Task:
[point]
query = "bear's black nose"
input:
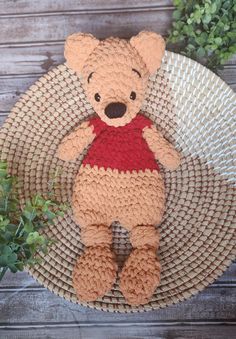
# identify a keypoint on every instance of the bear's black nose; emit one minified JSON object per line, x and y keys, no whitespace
{"x":115,"y":110}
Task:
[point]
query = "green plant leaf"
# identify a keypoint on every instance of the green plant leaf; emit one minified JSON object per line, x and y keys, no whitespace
{"x":176,"y":15}
{"x":29,"y":211}
{"x":28,"y":226}
{"x":213,"y":8}
{"x":7,"y":257}
{"x":205,"y":30}
{"x":200,"y":52}
{"x":218,"y":41}
{"x":35,"y":238}
{"x":20,"y":240}
{"x":4,"y":222}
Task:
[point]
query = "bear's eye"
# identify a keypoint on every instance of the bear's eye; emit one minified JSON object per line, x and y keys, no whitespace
{"x":97,"y":97}
{"x":132,"y":95}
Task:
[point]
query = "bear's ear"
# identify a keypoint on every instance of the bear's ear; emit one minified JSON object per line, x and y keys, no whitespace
{"x":78,"y":47}
{"x":151,"y":48}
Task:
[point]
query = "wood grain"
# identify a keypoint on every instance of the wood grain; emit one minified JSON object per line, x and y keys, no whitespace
{"x":228,"y":74}
{"x":56,"y":26}
{"x":44,"y":306}
{"x":36,"y":59}
{"x":35,"y":6}
{"x":12,"y":87}
{"x":135,"y":331}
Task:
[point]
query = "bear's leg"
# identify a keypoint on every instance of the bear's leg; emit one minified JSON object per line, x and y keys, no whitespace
{"x":95,"y":270}
{"x":141,"y":272}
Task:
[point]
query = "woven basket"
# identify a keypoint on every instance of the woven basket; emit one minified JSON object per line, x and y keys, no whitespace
{"x":196,"y":111}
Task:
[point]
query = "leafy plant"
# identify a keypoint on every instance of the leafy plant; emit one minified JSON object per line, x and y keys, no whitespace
{"x":20,"y":239}
{"x":205,"y":30}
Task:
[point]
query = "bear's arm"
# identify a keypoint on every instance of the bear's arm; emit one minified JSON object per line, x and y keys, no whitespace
{"x":74,"y":143}
{"x":164,"y":152}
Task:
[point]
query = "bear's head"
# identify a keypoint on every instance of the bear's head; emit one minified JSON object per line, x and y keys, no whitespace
{"x":115,"y":72}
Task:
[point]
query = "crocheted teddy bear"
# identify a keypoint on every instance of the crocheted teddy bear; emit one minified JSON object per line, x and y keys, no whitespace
{"x":119,"y":178}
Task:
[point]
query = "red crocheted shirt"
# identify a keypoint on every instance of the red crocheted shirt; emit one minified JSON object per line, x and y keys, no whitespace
{"x":122,"y":148}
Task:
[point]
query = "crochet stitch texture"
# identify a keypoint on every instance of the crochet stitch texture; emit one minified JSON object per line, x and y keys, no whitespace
{"x":122,"y":148}
{"x":119,"y":178}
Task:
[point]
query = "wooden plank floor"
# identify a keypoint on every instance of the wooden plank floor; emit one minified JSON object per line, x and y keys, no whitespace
{"x":31,"y":42}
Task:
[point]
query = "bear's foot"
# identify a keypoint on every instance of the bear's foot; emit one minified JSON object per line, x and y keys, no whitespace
{"x":94,"y":273}
{"x":140,"y":276}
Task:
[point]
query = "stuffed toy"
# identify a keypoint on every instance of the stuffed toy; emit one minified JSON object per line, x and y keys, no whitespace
{"x":119,"y":178}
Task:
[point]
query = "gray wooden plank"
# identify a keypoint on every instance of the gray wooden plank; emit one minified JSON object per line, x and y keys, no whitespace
{"x":233,"y":86}
{"x":228,"y":74}
{"x":2,"y":119}
{"x":32,"y":306}
{"x":28,"y":6}
{"x":11,"y":87}
{"x":23,"y":279}
{"x":232,"y":60}
{"x":173,"y":331}
{"x":18,"y":280}
{"x":54,"y":27}
{"x":229,"y":276}
{"x":36,"y":59}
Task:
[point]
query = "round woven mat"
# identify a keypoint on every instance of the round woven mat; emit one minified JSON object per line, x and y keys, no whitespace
{"x":196,"y":111}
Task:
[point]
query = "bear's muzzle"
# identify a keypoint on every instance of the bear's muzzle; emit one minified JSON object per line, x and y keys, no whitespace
{"x":115,"y":110}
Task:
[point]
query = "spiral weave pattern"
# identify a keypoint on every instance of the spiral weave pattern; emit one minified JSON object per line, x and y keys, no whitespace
{"x":195,"y":110}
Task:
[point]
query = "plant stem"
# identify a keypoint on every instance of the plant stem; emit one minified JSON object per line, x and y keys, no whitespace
{"x":18,"y":228}
{"x":3,"y":271}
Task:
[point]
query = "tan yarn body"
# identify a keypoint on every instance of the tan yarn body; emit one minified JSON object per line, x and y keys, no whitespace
{"x":134,"y":199}
{"x":104,"y":196}
{"x":112,"y":70}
